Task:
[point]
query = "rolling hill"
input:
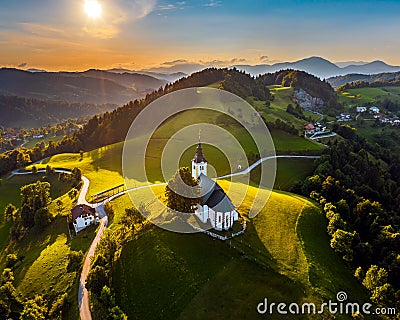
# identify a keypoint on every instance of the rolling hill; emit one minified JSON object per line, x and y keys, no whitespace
{"x":27,"y":112}
{"x":91,"y":86}
{"x":341,"y":80}
{"x":284,"y":256}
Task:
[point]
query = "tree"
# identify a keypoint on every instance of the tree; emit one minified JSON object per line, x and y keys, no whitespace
{"x":60,"y":206}
{"x":97,"y":278}
{"x":57,"y":307}
{"x":182,"y":192}
{"x":36,"y":195}
{"x":375,"y":277}
{"x":11,"y":260}
{"x":72,"y":194}
{"x":75,"y":260}
{"x":335,"y":223}
{"x":43,"y":217}
{"x":9,"y":212}
{"x":133,"y":216}
{"x":76,"y":176}
{"x":49,"y":170}
{"x":341,"y":242}
{"x":27,"y":216}
{"x":34,"y":170}
{"x":35,"y":309}
{"x":116,"y":313}
{"x":9,"y":300}
{"x":7,"y":276}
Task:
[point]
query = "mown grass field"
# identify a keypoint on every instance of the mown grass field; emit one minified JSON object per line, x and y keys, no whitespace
{"x":365,"y":95}
{"x":280,"y":257}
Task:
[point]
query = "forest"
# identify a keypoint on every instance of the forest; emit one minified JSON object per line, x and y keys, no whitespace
{"x":29,"y":113}
{"x":357,"y":183}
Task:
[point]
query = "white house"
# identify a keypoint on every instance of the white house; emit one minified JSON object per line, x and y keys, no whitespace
{"x":361,"y":109}
{"x":215,"y":206}
{"x":83,"y":216}
{"x":374,"y":109}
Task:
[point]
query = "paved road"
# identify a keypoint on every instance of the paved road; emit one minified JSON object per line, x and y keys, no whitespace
{"x":257,"y":163}
{"x":83,"y":294}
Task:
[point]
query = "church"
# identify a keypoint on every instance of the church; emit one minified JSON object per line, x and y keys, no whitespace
{"x":215,"y":206}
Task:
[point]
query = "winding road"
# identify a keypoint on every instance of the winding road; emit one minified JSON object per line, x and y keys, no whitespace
{"x":83,"y":294}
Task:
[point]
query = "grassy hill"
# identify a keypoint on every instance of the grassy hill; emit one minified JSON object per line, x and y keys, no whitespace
{"x":277,"y":109}
{"x":364,"y":95}
{"x":281,"y":256}
{"x":43,"y":254}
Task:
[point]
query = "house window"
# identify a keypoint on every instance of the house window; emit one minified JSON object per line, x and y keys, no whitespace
{"x":194,"y":167}
{"x":219,"y":219}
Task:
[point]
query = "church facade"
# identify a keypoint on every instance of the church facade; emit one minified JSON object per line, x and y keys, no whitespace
{"x":215,"y":206}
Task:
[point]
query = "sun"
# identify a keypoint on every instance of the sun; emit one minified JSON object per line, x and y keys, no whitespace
{"x":93,"y":9}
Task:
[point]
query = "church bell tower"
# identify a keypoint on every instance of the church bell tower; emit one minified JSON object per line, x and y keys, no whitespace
{"x":199,"y":162}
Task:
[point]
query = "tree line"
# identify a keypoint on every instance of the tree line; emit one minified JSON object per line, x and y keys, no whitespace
{"x":358,"y":185}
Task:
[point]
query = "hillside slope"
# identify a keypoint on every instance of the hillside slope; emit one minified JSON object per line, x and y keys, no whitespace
{"x":25,"y":112}
{"x":95,"y":87}
{"x":281,"y":256}
{"x":341,"y":80}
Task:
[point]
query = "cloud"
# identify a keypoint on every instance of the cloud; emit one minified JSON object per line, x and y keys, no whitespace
{"x":264,"y":58}
{"x":42,"y":30}
{"x":175,"y":62}
{"x":166,"y":9}
{"x":107,"y":32}
{"x":22,"y":65}
{"x":222,"y":63}
{"x":213,"y":3}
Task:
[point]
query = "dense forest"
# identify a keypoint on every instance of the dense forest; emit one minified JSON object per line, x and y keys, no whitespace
{"x":28,"y":113}
{"x":366,"y":84}
{"x":358,"y":184}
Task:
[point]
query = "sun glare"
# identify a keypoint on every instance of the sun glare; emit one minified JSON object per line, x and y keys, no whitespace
{"x":93,"y":8}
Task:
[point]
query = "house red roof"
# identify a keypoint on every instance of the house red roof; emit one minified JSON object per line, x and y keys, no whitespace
{"x":309,"y":126}
{"x":82,"y":209}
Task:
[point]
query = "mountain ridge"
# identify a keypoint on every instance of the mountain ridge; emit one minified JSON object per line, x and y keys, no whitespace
{"x":90,"y":86}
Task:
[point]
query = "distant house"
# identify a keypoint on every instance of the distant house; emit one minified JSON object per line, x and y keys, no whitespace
{"x":83,"y":216}
{"x":361,"y":109}
{"x":38,"y":136}
{"x":309,"y":127}
{"x":374,"y":109}
{"x":344,"y":117}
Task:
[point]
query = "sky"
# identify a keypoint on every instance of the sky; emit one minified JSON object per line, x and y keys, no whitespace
{"x":143,"y":34}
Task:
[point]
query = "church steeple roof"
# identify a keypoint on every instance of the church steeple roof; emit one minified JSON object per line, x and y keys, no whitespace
{"x":199,"y":156}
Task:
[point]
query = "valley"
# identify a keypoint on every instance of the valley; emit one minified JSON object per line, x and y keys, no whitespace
{"x":285,"y":253}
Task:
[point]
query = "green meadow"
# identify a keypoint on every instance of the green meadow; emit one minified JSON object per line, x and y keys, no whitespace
{"x":364,"y":95}
{"x":280,"y":257}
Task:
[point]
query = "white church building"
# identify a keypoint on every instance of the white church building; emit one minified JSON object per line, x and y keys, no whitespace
{"x":215,"y":206}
